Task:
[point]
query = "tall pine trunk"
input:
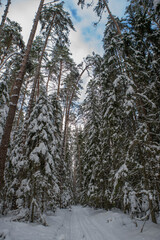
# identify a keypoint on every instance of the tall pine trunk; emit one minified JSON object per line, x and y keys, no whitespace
{"x":112,"y":17}
{"x":48,"y":80}
{"x":59,"y":78}
{"x":36,"y":79}
{"x":15,"y":96}
{"x":21,"y":109}
{"x":4,"y":15}
{"x":68,"y":106}
{"x":64,"y":143}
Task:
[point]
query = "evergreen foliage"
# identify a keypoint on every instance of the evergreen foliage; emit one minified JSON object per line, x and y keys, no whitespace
{"x":121,"y":164}
{"x":111,"y":157}
{"x":4,"y":98}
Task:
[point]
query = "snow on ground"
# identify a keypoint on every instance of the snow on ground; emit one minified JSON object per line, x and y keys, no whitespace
{"x":81,"y":223}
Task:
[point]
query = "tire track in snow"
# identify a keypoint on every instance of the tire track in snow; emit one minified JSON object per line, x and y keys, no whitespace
{"x":78,"y":224}
{"x":90,"y":230}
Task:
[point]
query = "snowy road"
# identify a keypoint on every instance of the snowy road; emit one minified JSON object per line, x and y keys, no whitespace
{"x":80,"y":224}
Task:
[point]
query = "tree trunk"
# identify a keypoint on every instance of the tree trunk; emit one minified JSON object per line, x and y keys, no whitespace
{"x":68,"y":106}
{"x":49,"y":77}
{"x":20,"y":112}
{"x":14,"y":98}
{"x":152,"y":211}
{"x":30,"y":105}
{"x":12,"y":87}
{"x":59,"y":79}
{"x":4,"y":15}
{"x":113,"y":19}
{"x":64,"y":144}
{"x":43,"y":201}
{"x":38,"y":87}
{"x":146,"y":185}
{"x":32,"y":212}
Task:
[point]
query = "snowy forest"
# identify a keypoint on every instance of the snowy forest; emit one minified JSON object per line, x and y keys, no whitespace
{"x":56,"y":151}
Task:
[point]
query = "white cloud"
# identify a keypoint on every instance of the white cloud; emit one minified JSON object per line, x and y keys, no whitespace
{"x":82,"y":43}
{"x":85,"y":43}
{"x":23,"y":12}
{"x":80,"y":48}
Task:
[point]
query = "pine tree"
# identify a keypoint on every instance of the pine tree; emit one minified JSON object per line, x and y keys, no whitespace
{"x":5,"y":15}
{"x":60,"y":64}
{"x":11,"y":42}
{"x":14,"y":98}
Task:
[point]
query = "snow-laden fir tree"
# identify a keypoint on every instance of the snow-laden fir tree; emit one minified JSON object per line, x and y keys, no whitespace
{"x":13,"y":172}
{"x":143,"y":42}
{"x":91,"y":156}
{"x":114,"y":83}
{"x":78,"y":164}
{"x":39,"y":188}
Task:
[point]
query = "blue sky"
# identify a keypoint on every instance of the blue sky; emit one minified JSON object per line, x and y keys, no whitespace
{"x":85,"y":40}
{"x":88,"y":38}
{"x":74,"y":13}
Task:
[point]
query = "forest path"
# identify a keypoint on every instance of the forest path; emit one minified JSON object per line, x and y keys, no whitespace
{"x":80,"y":223}
{"x":84,"y":223}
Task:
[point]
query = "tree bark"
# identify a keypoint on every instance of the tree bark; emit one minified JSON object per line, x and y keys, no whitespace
{"x":20,"y":112}
{"x":68,"y":106}
{"x":113,"y":19}
{"x":12,"y":87}
{"x":65,"y":130}
{"x":14,"y":98}
{"x":151,"y":207}
{"x":30,"y":105}
{"x":59,"y":79}
{"x":49,"y":77}
{"x":79,"y":159}
{"x":4,"y":15}
{"x":146,"y":185}
{"x":38,"y":87}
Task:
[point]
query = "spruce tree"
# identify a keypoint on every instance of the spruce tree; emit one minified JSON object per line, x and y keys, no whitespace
{"x":39,"y":189}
